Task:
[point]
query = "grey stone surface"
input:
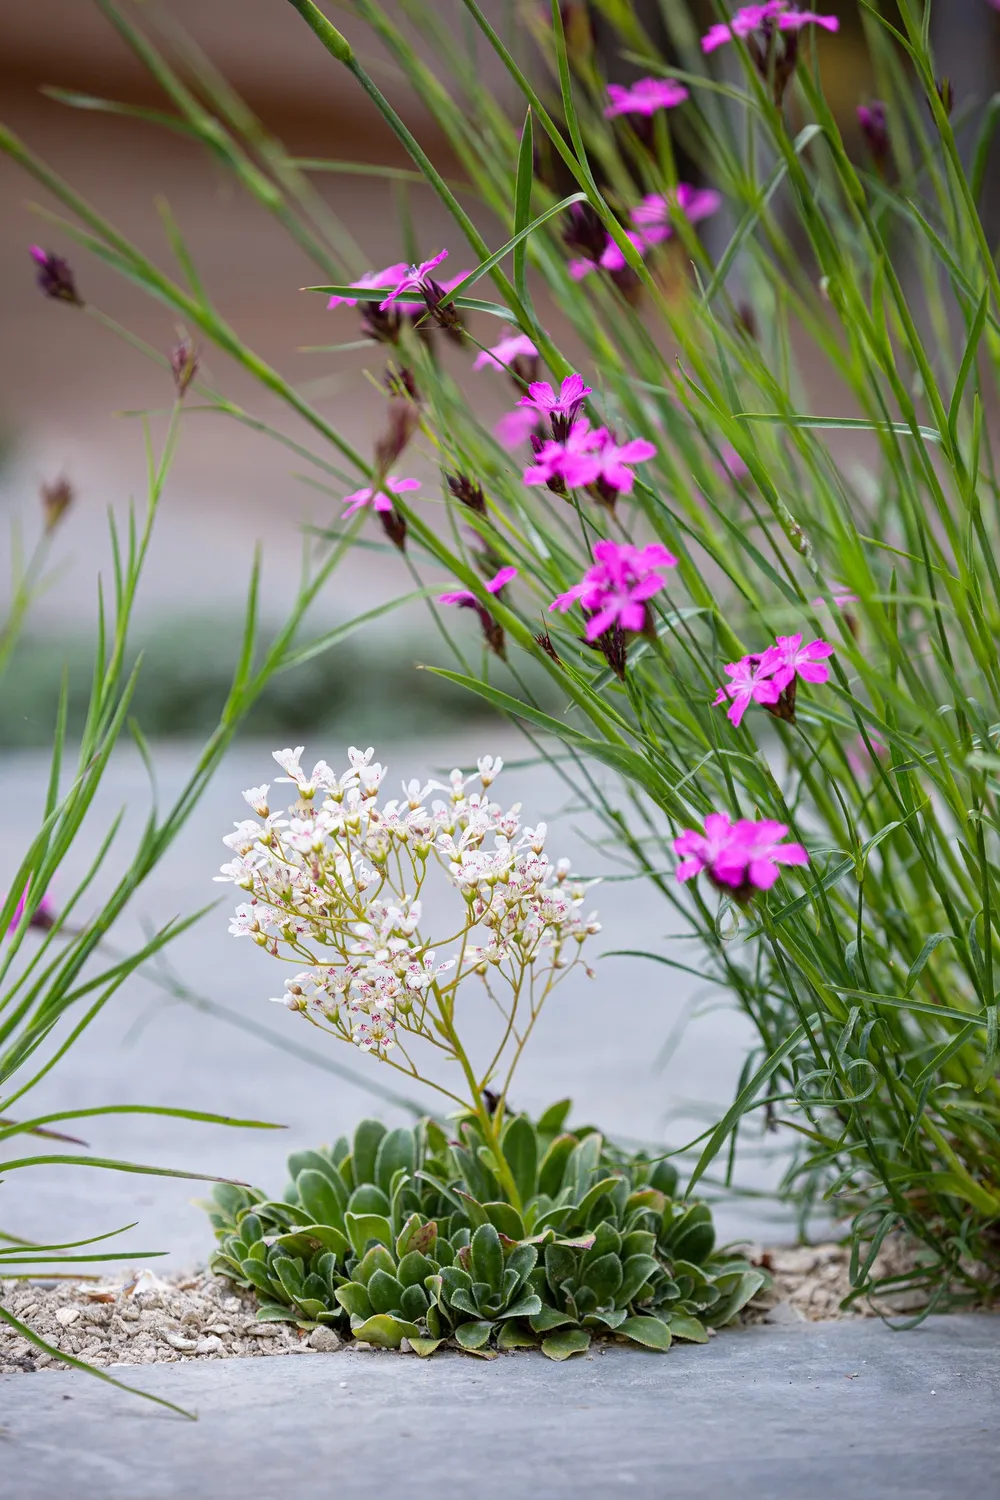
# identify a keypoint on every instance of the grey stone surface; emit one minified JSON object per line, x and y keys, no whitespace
{"x":845,"y":1411}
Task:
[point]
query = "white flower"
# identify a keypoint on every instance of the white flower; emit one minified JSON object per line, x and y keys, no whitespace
{"x":322,"y":778}
{"x":298,"y":992}
{"x":536,"y":837}
{"x":288,"y":760}
{"x":422,"y":972}
{"x":245,"y":837}
{"x":489,"y":768}
{"x":415,"y":793}
{"x":256,"y":796}
{"x":243,"y":922}
{"x":240,"y":871}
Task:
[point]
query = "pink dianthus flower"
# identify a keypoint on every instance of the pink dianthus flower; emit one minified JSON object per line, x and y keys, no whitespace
{"x":415,"y":279}
{"x":770,"y":678}
{"x":615,"y":589}
{"x":542,"y":398}
{"x":741,"y":857}
{"x":644,"y":97}
{"x":378,"y":499}
{"x":465,"y":598}
{"x":503,"y":354}
{"x":694,"y":203}
{"x":373,"y":279}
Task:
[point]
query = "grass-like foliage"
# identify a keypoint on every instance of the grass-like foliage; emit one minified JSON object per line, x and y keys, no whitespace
{"x":784,"y":620}
{"x":411,"y":1233}
{"x":60,"y":963}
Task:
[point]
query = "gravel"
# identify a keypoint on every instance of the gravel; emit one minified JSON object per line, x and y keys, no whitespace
{"x":148,"y":1320}
{"x":143,"y":1322}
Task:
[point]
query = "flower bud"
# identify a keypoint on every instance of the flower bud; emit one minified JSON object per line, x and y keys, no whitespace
{"x":184,"y":362}
{"x":55,"y":276}
{"x":404,"y":419}
{"x":56,"y":500}
{"x":875,"y":129}
{"x":468,"y":491}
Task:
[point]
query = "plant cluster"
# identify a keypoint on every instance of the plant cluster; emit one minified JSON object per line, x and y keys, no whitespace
{"x":411,"y":1234}
{"x":689,"y":531}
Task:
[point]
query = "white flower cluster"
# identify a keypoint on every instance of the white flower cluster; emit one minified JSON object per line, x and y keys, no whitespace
{"x":335,"y":883}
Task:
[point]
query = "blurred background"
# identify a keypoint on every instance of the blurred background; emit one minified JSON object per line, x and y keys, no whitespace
{"x":67,"y":386}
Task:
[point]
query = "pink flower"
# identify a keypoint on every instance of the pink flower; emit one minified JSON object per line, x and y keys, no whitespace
{"x":770,"y":678}
{"x":752,"y":682}
{"x":857,"y":754}
{"x":732,"y":465}
{"x":615,"y":589}
{"x":794,"y":20}
{"x":751,"y":18}
{"x":788,"y":658}
{"x":742,"y":856}
{"x":612,"y":258}
{"x":644,"y":97}
{"x":571,"y":459}
{"x":379,"y":499}
{"x":504,"y":353}
{"x":42,"y":917}
{"x":515,"y":427}
{"x":839,"y":598}
{"x":572,"y":394}
{"x":414,"y":279}
{"x":615,"y":459}
{"x":465,"y":598}
{"x":694,"y":203}
{"x":378,"y":279}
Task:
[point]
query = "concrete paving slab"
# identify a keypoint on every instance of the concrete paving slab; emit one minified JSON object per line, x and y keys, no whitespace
{"x":834,"y":1411}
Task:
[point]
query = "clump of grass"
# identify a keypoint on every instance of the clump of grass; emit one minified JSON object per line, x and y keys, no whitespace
{"x":869,"y":970}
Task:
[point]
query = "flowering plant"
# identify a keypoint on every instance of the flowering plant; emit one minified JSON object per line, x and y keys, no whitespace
{"x":723,"y":320}
{"x":336,"y":889}
{"x":410,"y":1234}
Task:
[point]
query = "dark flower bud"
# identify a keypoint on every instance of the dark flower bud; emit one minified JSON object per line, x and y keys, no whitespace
{"x":184,"y":362}
{"x":404,"y":419}
{"x":584,"y":230}
{"x":544,"y":641}
{"x":55,"y":277}
{"x":946,"y":93}
{"x":401,"y":381}
{"x":746,"y":321}
{"x":446,"y":316}
{"x":381,"y":326}
{"x":394,"y":526}
{"x":56,"y":500}
{"x":875,"y":129}
{"x":468,"y":492}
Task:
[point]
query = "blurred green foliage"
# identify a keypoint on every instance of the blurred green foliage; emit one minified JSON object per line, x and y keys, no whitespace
{"x":361,"y":690}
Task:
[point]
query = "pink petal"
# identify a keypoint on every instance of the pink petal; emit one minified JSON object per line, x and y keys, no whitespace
{"x":501,"y":579}
{"x":813,"y":671}
{"x":637,"y":451}
{"x":762,"y":874}
{"x":790,"y":854}
{"x":602,"y":621}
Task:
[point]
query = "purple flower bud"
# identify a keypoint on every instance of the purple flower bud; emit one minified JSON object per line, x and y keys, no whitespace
{"x":946,"y":93}
{"x":875,"y":129}
{"x":468,"y":492}
{"x":55,"y":277}
{"x":404,"y":419}
{"x":394,"y":526}
{"x":184,"y":363}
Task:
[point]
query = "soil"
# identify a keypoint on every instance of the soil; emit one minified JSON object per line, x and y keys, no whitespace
{"x":146,"y":1320}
